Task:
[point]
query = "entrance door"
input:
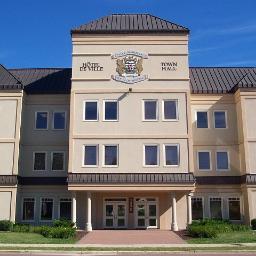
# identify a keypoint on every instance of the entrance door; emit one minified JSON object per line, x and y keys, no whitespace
{"x":115,"y":214}
{"x":146,"y":213}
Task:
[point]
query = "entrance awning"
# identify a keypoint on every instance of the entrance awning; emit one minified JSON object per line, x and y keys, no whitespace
{"x":131,"y":181}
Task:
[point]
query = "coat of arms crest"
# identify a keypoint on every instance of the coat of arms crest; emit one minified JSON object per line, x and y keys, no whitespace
{"x":130,"y":67}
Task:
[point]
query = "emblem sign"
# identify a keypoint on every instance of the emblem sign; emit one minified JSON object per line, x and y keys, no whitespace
{"x":129,"y":66}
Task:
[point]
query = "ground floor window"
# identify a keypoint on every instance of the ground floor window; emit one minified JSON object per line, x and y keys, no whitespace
{"x":216,"y":208}
{"x":197,"y":208}
{"x":28,"y":209}
{"x":234,"y":208}
{"x":46,"y":209}
{"x":65,"y":208}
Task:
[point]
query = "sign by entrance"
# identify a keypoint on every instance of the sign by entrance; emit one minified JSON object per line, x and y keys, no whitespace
{"x":169,"y":66}
{"x":129,"y":66}
{"x":91,"y":66}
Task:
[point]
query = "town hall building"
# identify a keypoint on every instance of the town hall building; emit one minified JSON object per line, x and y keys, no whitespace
{"x":130,"y":137}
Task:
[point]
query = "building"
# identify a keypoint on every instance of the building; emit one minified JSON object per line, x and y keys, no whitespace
{"x":131,"y":136}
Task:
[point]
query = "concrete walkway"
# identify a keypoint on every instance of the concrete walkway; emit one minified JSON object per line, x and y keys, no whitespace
{"x":131,"y":237}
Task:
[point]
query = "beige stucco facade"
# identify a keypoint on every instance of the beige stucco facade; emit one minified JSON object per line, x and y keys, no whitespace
{"x":129,"y":194}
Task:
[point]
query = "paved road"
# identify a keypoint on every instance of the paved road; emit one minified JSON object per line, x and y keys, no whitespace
{"x":127,"y":254}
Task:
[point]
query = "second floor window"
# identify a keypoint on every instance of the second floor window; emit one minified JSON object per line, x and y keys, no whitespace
{"x":171,"y":155}
{"x":204,"y":160}
{"x":58,"y":161}
{"x":91,"y":111}
{"x":151,"y":155}
{"x":220,"y":119}
{"x":59,"y":120}
{"x":41,"y":122}
{"x":110,"y":155}
{"x":150,"y":110}
{"x":110,"y":110}
{"x":39,"y":161}
{"x":90,"y":155}
{"x":222,"y":160}
{"x":170,"y":110}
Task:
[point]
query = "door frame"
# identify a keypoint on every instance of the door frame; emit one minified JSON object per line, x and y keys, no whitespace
{"x":115,"y":201}
{"x":146,"y":212}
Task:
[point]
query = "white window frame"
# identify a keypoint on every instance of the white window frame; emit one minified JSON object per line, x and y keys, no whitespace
{"x":201,"y":197}
{"x":84,"y":104}
{"x":143,"y":110}
{"x":103,"y":156}
{"x":68,"y":199}
{"x":97,"y":155}
{"x":48,"y":116}
{"x":35,"y":152}
{"x":210,"y":154}
{"x":104,"y":109}
{"x":164,"y":154}
{"x":40,"y":217}
{"x":144,"y":155}
{"x":226,"y":119}
{"x":177,"y":111}
{"x":226,"y":151}
{"x":241,"y":207}
{"x":64,"y":160}
{"x":65,"y":124}
{"x":22,"y":208}
{"x":222,"y":205}
{"x":208,"y":121}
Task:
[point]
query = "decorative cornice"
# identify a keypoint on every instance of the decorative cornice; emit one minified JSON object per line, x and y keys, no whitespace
{"x":131,"y":178}
{"x":42,"y":180}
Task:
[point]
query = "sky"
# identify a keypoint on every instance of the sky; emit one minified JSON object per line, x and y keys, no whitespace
{"x":36,"y":33}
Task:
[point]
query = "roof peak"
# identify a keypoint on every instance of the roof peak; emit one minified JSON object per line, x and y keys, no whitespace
{"x":133,"y":23}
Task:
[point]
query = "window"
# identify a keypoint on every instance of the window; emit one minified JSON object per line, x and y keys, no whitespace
{"x":216,"y":208}
{"x":65,"y":208}
{"x":39,"y":161}
{"x":28,"y":212}
{"x":110,"y":110}
{"x":59,"y":120}
{"x":91,"y":111}
{"x":234,"y":208}
{"x":171,"y":155}
{"x":110,"y":155}
{"x":197,"y":208}
{"x":202,"y":119}
{"x":91,"y":155}
{"x":150,"y":110}
{"x":151,"y":155}
{"x":220,"y":119}
{"x":46,"y":209}
{"x":170,"y":110}
{"x":41,"y":120}
{"x":58,"y":161}
{"x":204,"y":160}
{"x":222,"y":161}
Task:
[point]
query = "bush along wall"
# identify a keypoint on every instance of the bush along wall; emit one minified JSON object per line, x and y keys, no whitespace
{"x":211,"y":228}
{"x":63,"y":229}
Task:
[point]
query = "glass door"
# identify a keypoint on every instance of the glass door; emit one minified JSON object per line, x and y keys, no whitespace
{"x":146,"y":213}
{"x":109,"y":215}
{"x":115,"y":216}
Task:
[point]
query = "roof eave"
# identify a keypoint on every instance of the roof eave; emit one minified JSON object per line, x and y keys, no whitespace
{"x":183,"y":32}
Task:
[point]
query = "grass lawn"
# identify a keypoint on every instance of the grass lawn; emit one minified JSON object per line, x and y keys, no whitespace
{"x":227,"y":238}
{"x":31,"y":238}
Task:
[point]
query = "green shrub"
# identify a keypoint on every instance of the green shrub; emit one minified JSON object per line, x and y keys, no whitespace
{"x":202,"y":231}
{"x":209,"y":228}
{"x":63,"y":223}
{"x":58,"y":232}
{"x":21,"y":228}
{"x":253,"y":224}
{"x":6,"y":225}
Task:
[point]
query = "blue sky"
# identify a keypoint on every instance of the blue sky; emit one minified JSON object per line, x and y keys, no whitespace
{"x":36,"y":33}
